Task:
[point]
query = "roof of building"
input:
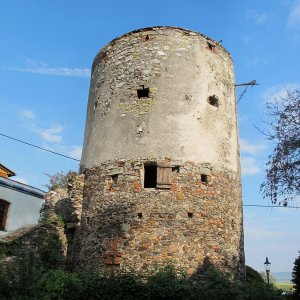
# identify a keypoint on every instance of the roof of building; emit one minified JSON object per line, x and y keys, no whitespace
{"x":7,"y":171}
{"x":21,"y":187}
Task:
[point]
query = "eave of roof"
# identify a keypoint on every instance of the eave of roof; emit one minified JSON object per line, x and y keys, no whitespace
{"x":22,"y":188}
{"x":10,"y":172}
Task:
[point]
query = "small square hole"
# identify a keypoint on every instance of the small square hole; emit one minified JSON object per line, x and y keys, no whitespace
{"x":175,"y":169}
{"x":114,"y":178}
{"x":140,"y":215}
{"x":143,"y":92}
{"x":190,"y":215}
{"x":204,"y":178}
{"x":213,"y":100}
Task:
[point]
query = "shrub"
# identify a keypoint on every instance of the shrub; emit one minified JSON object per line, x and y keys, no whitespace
{"x":59,"y":285}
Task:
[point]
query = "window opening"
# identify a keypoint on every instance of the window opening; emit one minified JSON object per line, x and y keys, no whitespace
{"x":213,"y":100}
{"x":204,"y":178}
{"x":143,"y":92}
{"x":159,"y":177}
{"x":150,"y":176}
{"x":4,"y":205}
{"x":140,"y":215}
{"x":147,"y":38}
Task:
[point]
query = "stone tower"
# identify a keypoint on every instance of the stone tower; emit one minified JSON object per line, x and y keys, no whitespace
{"x":161,"y":155}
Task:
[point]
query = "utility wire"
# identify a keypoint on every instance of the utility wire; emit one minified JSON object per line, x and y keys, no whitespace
{"x":29,"y":144}
{"x":275,"y":206}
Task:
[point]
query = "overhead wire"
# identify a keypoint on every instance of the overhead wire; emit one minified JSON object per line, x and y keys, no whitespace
{"x":38,"y":147}
{"x":66,"y":156}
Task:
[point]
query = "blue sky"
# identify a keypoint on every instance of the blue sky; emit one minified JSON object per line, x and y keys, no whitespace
{"x":47,"y":48}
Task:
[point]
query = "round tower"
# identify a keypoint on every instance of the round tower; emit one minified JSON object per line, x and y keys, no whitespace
{"x":161,"y":155}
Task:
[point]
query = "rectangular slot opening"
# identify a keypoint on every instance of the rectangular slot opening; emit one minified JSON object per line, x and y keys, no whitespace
{"x":114,"y":178}
{"x":204,"y":178}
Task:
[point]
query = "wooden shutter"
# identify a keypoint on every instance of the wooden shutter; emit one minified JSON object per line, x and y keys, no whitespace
{"x":164,"y":177}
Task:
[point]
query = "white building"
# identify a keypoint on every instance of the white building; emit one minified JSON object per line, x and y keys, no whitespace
{"x":19,"y":203}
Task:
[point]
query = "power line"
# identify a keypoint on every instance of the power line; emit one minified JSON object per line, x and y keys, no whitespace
{"x":53,"y":152}
{"x":275,"y":206}
{"x":44,"y":149}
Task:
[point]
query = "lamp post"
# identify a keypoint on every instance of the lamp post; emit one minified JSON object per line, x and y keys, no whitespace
{"x":267,"y":268}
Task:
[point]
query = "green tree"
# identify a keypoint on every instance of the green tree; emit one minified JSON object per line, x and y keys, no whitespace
{"x":58,"y":180}
{"x":282,"y":183}
{"x":296,"y":275}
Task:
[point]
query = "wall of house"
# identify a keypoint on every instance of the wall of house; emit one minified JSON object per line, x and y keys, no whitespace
{"x":24,"y":208}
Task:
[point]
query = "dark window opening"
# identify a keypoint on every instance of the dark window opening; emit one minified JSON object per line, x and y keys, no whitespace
{"x":143,"y":92}
{"x":114,"y":178}
{"x":204,"y":178}
{"x":147,"y":38}
{"x":4,"y":205}
{"x":140,"y":215}
{"x":213,"y":100}
{"x":88,"y":220}
{"x":190,"y":214}
{"x":150,"y":176}
{"x":175,"y":169}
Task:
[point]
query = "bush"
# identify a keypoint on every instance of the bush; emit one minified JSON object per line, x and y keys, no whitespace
{"x":59,"y":285}
{"x":28,"y":280}
{"x":112,"y":285}
{"x":168,"y":283}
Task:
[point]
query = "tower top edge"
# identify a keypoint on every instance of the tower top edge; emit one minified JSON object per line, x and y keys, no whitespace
{"x":184,"y":31}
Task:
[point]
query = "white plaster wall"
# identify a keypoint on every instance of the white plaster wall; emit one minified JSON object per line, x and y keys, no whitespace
{"x":23,"y":210}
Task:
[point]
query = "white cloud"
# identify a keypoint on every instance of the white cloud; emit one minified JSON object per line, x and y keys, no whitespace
{"x":294,"y":16}
{"x":64,"y":71}
{"x":75,"y":152}
{"x":27,"y":114}
{"x":249,"y":166}
{"x":52,"y":134}
{"x":258,"y":18}
{"x":251,"y":148}
{"x":31,"y":66}
{"x":279,"y":91}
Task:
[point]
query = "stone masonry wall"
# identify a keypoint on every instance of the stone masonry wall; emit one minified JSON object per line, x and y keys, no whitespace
{"x":127,"y":226}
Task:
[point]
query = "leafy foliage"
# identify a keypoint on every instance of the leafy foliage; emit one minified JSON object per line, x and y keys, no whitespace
{"x":58,"y":181}
{"x":164,"y":283}
{"x":296,"y":275}
{"x":282,"y":182}
{"x":253,"y":276}
{"x":263,"y":275}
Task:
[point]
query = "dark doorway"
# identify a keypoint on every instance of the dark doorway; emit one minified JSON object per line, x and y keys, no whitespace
{"x":150,"y":176}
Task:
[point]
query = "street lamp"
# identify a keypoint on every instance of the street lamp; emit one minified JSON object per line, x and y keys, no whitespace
{"x":267,"y":268}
